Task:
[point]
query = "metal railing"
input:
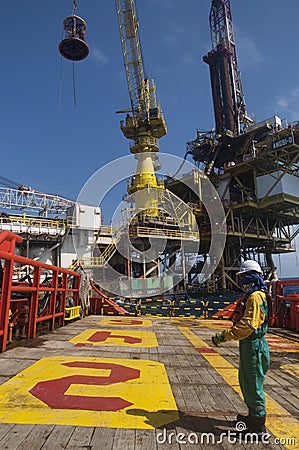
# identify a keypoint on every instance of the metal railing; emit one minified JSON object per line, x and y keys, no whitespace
{"x":93,"y":261}
{"x":35,"y":299}
{"x":32,"y":222}
{"x":106,"y":229}
{"x":164,"y":232}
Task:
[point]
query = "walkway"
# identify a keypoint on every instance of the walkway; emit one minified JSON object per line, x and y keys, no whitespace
{"x":134,"y":383}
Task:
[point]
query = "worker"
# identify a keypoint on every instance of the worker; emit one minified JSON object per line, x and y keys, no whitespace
{"x":254,"y":356}
{"x":171,"y":305}
{"x":81,"y":34}
{"x":138,"y":308}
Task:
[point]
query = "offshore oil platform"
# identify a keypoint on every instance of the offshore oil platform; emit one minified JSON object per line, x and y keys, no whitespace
{"x":163,"y":243}
{"x":173,"y":248}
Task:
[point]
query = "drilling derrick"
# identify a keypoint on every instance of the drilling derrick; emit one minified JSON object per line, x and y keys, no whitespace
{"x":144,"y":123}
{"x":253,"y":166}
{"x":228,"y":98}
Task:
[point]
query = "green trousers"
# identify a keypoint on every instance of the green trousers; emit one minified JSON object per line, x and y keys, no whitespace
{"x":254,"y":363}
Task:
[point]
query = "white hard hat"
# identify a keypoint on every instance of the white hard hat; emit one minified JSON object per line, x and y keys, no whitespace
{"x":248,"y":266}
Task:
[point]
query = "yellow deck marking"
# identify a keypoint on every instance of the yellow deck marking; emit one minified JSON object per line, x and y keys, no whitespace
{"x":216,"y":324}
{"x":119,"y":321}
{"x":280,"y":344}
{"x":276,"y":343}
{"x":284,"y":427}
{"x":83,"y":391}
{"x":128,"y":338}
{"x":293,"y":369}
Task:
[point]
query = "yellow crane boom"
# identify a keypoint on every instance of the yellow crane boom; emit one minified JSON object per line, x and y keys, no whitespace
{"x":144,"y":123}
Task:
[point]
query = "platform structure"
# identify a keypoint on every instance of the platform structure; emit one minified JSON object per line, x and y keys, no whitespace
{"x":107,"y":382}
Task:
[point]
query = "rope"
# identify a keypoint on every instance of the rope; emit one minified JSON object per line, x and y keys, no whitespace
{"x":84,"y":288}
{"x":74,"y":85}
{"x":181,"y":165}
{"x":60,"y":85}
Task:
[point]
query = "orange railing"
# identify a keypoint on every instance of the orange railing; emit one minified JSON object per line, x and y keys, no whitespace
{"x":38,"y":299}
{"x":101,"y":304}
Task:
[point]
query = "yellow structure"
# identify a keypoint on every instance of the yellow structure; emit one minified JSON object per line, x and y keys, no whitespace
{"x":146,"y":123}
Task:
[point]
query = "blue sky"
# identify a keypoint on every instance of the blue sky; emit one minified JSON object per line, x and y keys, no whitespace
{"x":51,"y":145}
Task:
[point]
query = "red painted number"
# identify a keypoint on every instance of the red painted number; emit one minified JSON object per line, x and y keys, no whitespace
{"x":52,"y":392}
{"x":102,"y":336}
{"x":127,"y":322}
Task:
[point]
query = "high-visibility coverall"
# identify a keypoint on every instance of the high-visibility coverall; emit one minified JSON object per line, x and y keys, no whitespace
{"x":254,"y":351}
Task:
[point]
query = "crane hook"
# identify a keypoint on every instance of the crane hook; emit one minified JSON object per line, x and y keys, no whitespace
{"x":74,"y":47}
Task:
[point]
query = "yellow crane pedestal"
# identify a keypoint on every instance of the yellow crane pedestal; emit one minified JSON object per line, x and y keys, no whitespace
{"x":144,"y":185}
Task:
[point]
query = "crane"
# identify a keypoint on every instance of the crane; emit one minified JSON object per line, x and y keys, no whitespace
{"x":144,"y":123}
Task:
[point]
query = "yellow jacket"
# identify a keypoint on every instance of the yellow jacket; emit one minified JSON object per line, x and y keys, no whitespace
{"x":252,"y":319}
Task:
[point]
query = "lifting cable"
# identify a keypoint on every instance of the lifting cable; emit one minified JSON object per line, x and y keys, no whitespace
{"x":74,"y":85}
{"x":73,"y":70}
{"x":181,"y":165}
{"x":73,"y":47}
{"x":60,"y":85}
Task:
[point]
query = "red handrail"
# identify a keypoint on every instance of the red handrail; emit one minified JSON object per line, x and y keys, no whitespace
{"x":107,"y":301}
{"x":64,"y":283}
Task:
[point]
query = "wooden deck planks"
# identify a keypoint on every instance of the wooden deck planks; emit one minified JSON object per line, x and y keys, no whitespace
{"x":286,"y":398}
{"x":145,"y":439}
{"x":206,"y":403}
{"x":81,"y":438}
{"x":14,"y":437}
{"x":59,"y":438}
{"x":5,"y":428}
{"x":36,"y":437}
{"x":103,"y":439}
{"x":124,"y":439}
